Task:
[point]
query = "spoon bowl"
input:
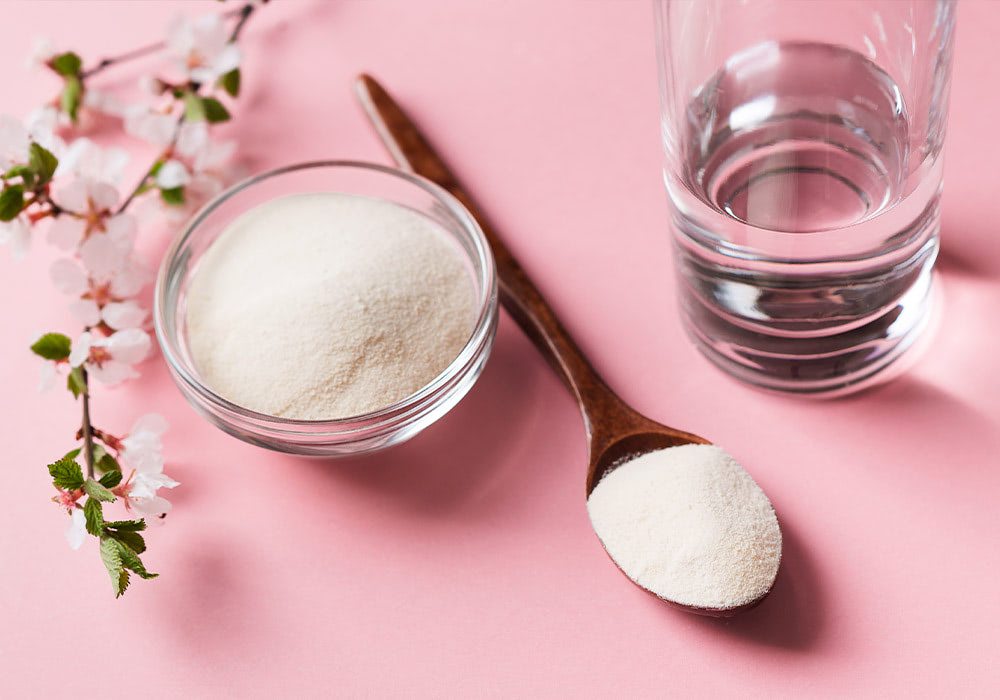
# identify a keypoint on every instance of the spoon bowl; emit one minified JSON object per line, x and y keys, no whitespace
{"x":616,"y":432}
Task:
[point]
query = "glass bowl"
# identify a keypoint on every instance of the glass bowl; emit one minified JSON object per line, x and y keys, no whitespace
{"x":360,"y":434}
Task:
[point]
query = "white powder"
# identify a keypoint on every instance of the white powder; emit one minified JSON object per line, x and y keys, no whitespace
{"x":689,"y":524}
{"x":327,"y":305}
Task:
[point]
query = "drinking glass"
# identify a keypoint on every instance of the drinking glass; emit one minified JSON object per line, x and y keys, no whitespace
{"x":803,"y":145}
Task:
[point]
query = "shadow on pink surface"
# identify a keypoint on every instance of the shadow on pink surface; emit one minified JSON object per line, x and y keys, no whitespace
{"x":481,"y":441}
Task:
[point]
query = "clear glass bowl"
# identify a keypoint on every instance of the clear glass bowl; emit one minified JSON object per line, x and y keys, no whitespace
{"x":347,"y":436}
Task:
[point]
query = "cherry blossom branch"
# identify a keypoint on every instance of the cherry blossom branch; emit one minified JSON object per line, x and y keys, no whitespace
{"x":87,"y":428}
{"x":102,"y":274}
{"x":243,"y":13}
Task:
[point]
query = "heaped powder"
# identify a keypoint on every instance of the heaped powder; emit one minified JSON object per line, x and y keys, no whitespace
{"x":327,"y":305}
{"x":689,"y":524}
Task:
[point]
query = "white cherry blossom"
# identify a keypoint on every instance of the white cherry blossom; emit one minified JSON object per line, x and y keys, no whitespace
{"x":42,"y":51}
{"x":110,"y":359}
{"x":141,"y":450}
{"x":145,"y":123}
{"x":88,"y":161}
{"x":201,"y":48}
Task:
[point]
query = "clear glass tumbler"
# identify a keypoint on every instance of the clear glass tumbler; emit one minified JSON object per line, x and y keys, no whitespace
{"x":803,"y":142}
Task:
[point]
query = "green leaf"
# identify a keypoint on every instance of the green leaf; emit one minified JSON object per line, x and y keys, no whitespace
{"x":52,"y":346}
{"x":69,"y":101}
{"x":11,"y":202}
{"x":110,"y":479}
{"x":194,"y":108}
{"x":75,"y":383}
{"x":130,"y":560}
{"x":73,"y":454}
{"x":25,"y":172}
{"x":66,"y":474}
{"x":107,"y":463}
{"x":230,"y":82}
{"x":112,"y":558}
{"x":132,"y":540}
{"x":126,"y":525}
{"x":96,"y":490}
{"x":215,"y":112}
{"x":43,"y":162}
{"x":67,"y":64}
{"x":173,"y":195}
{"x":93,"y":511}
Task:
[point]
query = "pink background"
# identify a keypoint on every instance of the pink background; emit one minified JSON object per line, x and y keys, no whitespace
{"x":462,"y":563}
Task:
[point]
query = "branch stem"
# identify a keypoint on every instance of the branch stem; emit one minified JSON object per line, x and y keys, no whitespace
{"x":88,"y":434}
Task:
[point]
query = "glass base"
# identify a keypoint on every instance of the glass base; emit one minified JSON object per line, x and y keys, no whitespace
{"x":818,"y":357}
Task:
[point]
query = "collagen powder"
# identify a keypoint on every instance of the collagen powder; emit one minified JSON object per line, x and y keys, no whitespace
{"x":689,"y":524}
{"x":327,"y":305}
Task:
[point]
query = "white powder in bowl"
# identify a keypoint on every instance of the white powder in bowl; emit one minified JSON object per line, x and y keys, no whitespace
{"x":327,"y":305}
{"x":689,"y":524}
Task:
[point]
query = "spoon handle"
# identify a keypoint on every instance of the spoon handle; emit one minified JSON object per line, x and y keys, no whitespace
{"x":519,"y":296}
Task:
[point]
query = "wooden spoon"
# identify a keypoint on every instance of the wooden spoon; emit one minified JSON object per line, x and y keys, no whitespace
{"x":615,"y":431}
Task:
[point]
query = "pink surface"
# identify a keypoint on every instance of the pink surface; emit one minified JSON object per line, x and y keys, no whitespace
{"x":462,"y":564}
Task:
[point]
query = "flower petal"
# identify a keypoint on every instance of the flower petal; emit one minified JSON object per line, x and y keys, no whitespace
{"x":101,"y":256}
{"x":76,"y":530}
{"x":123,"y":314}
{"x":150,"y":423}
{"x":173,"y":174}
{"x":67,"y":277}
{"x":128,"y":346}
{"x":46,"y":377}
{"x":103,"y":196}
{"x":18,"y":234}
{"x":85,"y":312}
{"x":73,"y":196}
{"x":81,"y":350}
{"x":111,"y":372}
{"x":66,"y":232}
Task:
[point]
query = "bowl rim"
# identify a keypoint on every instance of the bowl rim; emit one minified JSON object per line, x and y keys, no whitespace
{"x":400,"y":411}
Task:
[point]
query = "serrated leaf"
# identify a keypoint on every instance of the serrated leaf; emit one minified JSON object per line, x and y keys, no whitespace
{"x":111,"y":556}
{"x":215,"y":112}
{"x":230,"y":82}
{"x":66,"y":474}
{"x":25,"y":172}
{"x":96,"y":490}
{"x":173,"y":195}
{"x":129,"y":525}
{"x":69,"y":101}
{"x":73,"y":454}
{"x":11,"y":202}
{"x":75,"y":382}
{"x":194,"y":108}
{"x":94,"y":513}
{"x":132,"y":540}
{"x":52,"y":346}
{"x":43,"y":162}
{"x":67,"y":64}
{"x":130,"y":560}
{"x":110,"y":479}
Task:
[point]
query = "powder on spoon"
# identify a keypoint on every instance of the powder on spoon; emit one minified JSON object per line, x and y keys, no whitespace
{"x":689,"y":524}
{"x":327,"y":305}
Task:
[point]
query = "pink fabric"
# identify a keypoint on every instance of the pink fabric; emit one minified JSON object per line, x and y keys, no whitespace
{"x":463,"y":563}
